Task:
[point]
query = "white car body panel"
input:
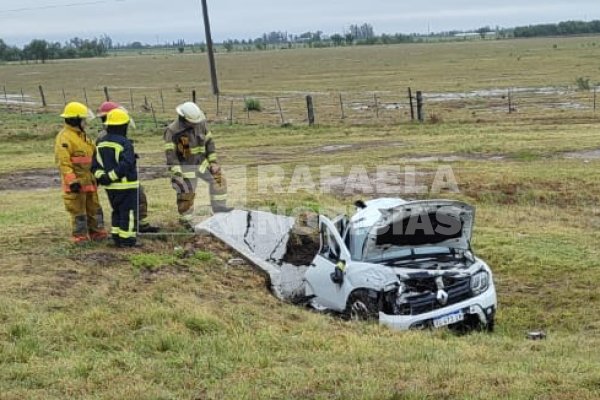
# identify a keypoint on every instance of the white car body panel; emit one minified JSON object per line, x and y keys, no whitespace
{"x":378,"y":278}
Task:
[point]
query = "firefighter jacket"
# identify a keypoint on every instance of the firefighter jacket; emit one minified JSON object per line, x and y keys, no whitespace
{"x":189,"y":148}
{"x":73,"y":152}
{"x":116,"y":158}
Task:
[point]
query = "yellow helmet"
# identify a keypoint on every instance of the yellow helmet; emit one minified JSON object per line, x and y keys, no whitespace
{"x":77,"y":110}
{"x":118,"y":116}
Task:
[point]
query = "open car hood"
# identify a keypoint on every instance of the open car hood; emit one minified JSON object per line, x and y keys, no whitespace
{"x":427,"y":223}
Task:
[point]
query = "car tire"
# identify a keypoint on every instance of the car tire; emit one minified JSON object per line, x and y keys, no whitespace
{"x":362,"y":307}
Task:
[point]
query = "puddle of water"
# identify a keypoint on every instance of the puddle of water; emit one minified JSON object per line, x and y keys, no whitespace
{"x":495,"y":92}
{"x":16,"y":99}
{"x":567,"y":106}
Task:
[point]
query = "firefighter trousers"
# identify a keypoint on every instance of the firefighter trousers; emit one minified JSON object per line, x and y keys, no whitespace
{"x":143,"y":211}
{"x":86,"y":214}
{"x":124,"y":203}
{"x":186,"y":192}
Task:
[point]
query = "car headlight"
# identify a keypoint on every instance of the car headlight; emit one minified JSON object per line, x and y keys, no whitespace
{"x":480,"y":282}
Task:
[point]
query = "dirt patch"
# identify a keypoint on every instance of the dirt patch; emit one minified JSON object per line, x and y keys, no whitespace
{"x":303,"y":242}
{"x":448,"y":158}
{"x":334,"y":148}
{"x":49,"y":178}
{"x":98,"y":259}
{"x":65,"y":281}
{"x":584,"y":155}
{"x":382,"y":183}
{"x":30,"y":180}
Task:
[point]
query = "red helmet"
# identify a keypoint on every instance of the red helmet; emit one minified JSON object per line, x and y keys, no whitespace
{"x":107,"y":107}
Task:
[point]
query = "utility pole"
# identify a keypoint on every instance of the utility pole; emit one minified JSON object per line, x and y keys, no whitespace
{"x":209,"y":48}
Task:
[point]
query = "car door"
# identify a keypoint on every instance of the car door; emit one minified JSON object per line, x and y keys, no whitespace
{"x":318,"y":276}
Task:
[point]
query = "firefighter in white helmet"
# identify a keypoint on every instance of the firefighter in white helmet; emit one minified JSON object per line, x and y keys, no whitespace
{"x":191,"y":154}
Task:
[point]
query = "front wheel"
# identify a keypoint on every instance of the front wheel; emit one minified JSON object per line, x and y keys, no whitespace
{"x":362,"y":307}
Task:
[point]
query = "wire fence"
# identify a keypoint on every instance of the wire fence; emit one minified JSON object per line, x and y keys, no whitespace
{"x":325,"y":108}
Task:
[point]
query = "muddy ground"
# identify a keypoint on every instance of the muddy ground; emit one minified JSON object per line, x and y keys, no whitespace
{"x":48,"y":178}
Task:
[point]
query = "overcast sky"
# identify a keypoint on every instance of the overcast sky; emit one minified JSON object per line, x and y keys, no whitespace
{"x":166,"y":20}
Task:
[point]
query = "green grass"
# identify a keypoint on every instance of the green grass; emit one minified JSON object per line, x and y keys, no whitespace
{"x":175,"y":320}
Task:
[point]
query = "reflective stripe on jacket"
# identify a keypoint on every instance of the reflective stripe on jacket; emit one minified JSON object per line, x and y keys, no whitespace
{"x":188,"y":145}
{"x":115,"y":157}
{"x":73,"y":152}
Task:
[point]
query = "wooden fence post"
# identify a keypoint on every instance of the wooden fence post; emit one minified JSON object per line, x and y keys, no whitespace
{"x":412,"y":106}
{"x":87,"y":103}
{"x":106,"y":96}
{"x":64,"y":96}
{"x":311,"y":110}
{"x":510,"y":107}
{"x":231,"y":113}
{"x":153,"y":115}
{"x":42,"y":96}
{"x":595,"y":98}
{"x":342,"y":106}
{"x":162,"y":100}
{"x":194,"y":96}
{"x":376,"y":104}
{"x":131,"y":104}
{"x":280,"y":111}
{"x":218,"y":103}
{"x":22,"y":100}
{"x":420,"y":114}
{"x":247,"y":108}
{"x":5,"y":96}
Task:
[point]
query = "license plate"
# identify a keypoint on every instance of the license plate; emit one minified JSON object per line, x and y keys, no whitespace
{"x":448,"y":319}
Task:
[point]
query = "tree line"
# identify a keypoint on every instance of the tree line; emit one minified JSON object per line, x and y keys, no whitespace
{"x":40,"y":50}
{"x":561,"y":29}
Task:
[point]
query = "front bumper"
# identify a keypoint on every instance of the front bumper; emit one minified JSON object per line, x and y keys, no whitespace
{"x":483,"y":306}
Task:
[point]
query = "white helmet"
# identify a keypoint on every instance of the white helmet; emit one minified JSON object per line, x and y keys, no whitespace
{"x":191,"y":112}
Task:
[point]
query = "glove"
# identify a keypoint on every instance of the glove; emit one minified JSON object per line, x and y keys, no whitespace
{"x":104,"y":180}
{"x":214,"y":169}
{"x":75,"y":187}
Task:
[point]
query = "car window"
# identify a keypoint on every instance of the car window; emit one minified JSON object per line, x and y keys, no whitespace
{"x":355,"y":240}
{"x":330,"y":248}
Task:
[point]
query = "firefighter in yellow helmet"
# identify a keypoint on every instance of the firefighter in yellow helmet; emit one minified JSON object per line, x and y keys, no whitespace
{"x":144,"y":224}
{"x":114,"y":166}
{"x":191,"y":154}
{"x":73,"y":151}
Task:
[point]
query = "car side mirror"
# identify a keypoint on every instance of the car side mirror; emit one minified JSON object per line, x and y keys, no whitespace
{"x":337,"y":276}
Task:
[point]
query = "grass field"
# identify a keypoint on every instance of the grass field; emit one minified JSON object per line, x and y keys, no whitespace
{"x":176,"y":321}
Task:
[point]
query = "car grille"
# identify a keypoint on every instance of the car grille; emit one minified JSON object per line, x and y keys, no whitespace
{"x":417,"y":304}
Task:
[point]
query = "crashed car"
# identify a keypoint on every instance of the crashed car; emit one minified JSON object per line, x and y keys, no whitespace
{"x":408,"y":264}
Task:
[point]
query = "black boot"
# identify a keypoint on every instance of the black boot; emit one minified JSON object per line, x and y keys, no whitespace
{"x":147,"y":228}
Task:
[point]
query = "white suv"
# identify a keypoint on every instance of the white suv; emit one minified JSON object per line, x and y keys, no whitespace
{"x":408,"y":264}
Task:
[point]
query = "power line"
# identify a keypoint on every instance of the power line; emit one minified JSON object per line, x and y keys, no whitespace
{"x":53,"y":6}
